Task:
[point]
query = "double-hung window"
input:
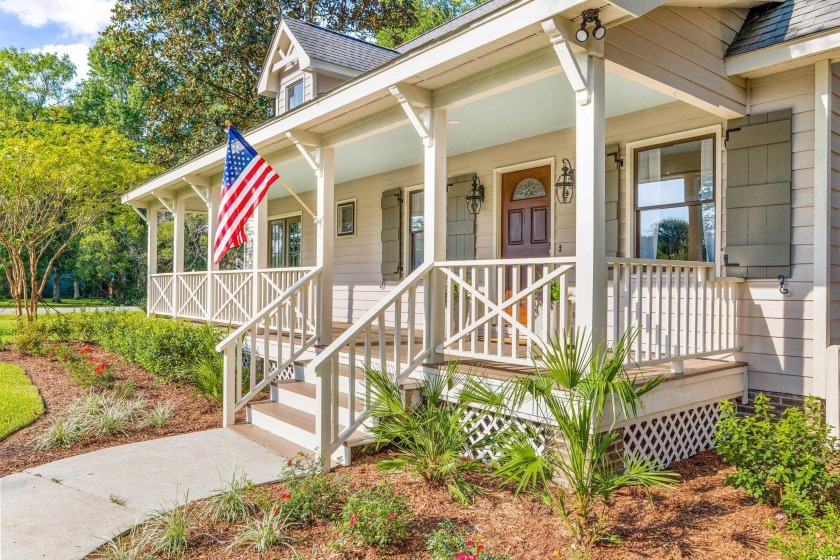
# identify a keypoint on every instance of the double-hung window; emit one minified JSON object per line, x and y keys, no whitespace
{"x":294,"y":95}
{"x":675,"y":200}
{"x":284,"y":242}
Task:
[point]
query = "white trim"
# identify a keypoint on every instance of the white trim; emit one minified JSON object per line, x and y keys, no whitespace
{"x":406,"y":244}
{"x":355,"y":212}
{"x":630,"y":186}
{"x":497,"y":200}
{"x":764,"y":61}
{"x":285,"y":215}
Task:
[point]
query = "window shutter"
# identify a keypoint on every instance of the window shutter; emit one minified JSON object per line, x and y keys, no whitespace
{"x":460,"y":224}
{"x":612,"y":169}
{"x":391,"y":234}
{"x":758,"y":177}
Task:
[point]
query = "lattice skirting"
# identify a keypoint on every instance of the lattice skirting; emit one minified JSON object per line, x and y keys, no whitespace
{"x":486,"y":424}
{"x":673,"y":436}
{"x":287,"y":374}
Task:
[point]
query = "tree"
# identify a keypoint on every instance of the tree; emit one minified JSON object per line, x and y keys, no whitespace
{"x":32,"y":82}
{"x":200,"y":61}
{"x":55,"y":181}
{"x":422,"y":16}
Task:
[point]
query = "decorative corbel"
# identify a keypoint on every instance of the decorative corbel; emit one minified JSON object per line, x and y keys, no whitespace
{"x":309,"y":145}
{"x":144,"y":217}
{"x":561,"y":33}
{"x":416,"y":102}
{"x":169,"y":205}
{"x":201,"y":189}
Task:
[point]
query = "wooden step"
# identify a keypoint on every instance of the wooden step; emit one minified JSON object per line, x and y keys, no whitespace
{"x":309,"y":391}
{"x":301,"y":423}
{"x":279,"y":445}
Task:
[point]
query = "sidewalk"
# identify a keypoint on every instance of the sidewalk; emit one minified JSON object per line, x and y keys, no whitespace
{"x":62,"y":510}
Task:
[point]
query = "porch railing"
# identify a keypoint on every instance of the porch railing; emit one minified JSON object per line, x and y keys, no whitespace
{"x":223,"y":296}
{"x":265,"y":346}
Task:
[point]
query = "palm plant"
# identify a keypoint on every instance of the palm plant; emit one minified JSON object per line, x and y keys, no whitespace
{"x":578,"y":387}
{"x":433,"y":439}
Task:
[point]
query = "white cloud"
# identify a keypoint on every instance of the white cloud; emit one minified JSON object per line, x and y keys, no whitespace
{"x":77,"y":52}
{"x":78,"y":18}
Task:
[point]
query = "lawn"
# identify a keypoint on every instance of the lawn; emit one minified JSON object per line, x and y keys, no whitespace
{"x":7,"y":328}
{"x":20,"y":402}
{"x":66,"y":302}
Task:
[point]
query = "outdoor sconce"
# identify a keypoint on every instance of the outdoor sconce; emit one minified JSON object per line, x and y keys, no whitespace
{"x":475,"y":197}
{"x":564,"y":188}
{"x":587,"y":17}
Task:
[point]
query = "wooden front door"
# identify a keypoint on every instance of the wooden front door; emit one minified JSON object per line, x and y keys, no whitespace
{"x":526,"y":223}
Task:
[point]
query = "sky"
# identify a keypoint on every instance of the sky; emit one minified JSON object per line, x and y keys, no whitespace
{"x":61,"y":26}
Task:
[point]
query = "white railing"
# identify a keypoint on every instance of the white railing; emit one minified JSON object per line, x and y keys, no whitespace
{"x":264,"y":346}
{"x":679,"y":308}
{"x":501,"y":310}
{"x":225,"y":296}
{"x":161,"y":294}
{"x":371,"y":344}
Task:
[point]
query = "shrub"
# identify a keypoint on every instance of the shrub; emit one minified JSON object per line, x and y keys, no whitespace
{"x":31,"y":337}
{"x":62,"y":432}
{"x":132,"y":546}
{"x":232,"y":503}
{"x":125,"y":389}
{"x":574,"y":473}
{"x":376,"y":517}
{"x":448,"y":541}
{"x":268,"y":530}
{"x":790,"y":463}
{"x":206,"y":372}
{"x":311,"y":494}
{"x":432,"y":439}
{"x":817,"y":538}
{"x":168,"y":531}
{"x":157,"y":416}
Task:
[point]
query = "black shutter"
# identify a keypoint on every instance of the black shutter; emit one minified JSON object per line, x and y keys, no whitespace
{"x":391,"y":234}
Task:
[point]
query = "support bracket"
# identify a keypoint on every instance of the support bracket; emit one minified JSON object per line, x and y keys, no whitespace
{"x":416,"y":102}
{"x":144,"y":217}
{"x":309,"y":145}
{"x":203,"y":191}
{"x":561,"y":33}
{"x":169,"y":204}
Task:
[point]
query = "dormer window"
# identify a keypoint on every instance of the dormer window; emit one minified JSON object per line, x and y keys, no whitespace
{"x":294,"y":95}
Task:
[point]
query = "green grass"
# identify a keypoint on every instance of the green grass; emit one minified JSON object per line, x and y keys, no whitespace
{"x":65,"y":302}
{"x":20,"y":403}
{"x":8,"y":323}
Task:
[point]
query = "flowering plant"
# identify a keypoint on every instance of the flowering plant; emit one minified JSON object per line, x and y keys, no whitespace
{"x":376,"y":517}
{"x":87,"y":370}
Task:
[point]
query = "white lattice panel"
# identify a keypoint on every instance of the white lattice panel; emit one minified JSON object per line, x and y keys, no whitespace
{"x":488,"y":424}
{"x":674,"y":436}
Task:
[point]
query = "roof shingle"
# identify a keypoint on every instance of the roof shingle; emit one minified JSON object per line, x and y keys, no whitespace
{"x":335,"y":48}
{"x":774,"y":23}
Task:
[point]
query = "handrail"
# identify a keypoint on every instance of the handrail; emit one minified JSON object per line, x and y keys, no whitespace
{"x":245,"y":327}
{"x":509,"y":262}
{"x":357,"y":327}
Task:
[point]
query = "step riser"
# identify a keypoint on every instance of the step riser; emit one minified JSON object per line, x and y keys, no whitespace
{"x":287,"y":431}
{"x":304,"y":403}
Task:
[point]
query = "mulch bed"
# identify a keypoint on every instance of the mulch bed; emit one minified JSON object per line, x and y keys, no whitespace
{"x":700,"y":519}
{"x":192,"y":412}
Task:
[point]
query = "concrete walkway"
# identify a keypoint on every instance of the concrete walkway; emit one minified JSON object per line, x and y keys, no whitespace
{"x":62,"y":510}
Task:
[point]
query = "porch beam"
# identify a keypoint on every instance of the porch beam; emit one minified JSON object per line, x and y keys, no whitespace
{"x":411,"y":98}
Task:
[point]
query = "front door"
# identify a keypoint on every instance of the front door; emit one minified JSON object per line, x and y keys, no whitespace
{"x":526,"y":222}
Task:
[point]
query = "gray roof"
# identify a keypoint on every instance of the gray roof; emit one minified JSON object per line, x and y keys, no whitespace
{"x":774,"y":23}
{"x":335,"y":48}
{"x":467,"y":17}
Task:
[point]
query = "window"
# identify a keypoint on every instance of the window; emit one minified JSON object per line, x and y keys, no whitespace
{"x":416,"y":225}
{"x":294,"y":95}
{"x":675,"y":200}
{"x":284,"y":242}
{"x":345,"y":218}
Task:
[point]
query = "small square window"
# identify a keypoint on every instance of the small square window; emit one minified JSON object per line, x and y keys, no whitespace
{"x":345,"y":219}
{"x":294,"y":95}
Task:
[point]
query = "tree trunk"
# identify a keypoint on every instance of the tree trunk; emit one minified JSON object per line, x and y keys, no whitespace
{"x":77,"y":292}
{"x":56,"y":295}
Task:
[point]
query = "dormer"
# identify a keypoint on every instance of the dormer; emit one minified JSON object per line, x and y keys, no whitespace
{"x":306,"y":61}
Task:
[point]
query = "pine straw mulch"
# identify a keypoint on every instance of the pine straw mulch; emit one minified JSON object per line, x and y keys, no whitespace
{"x":191,"y":412}
{"x":700,"y":519}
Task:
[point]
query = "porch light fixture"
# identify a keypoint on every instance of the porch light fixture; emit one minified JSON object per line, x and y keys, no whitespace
{"x":475,"y":197}
{"x":564,"y":187}
{"x":587,"y":17}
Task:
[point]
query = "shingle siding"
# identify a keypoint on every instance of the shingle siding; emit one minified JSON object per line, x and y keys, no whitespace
{"x":774,"y":23}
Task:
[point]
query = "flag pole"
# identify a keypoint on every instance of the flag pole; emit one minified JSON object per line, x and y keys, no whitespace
{"x":228,"y":124}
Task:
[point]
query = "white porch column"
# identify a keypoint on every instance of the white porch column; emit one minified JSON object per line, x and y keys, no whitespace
{"x":151,"y":252}
{"x":590,"y":230}
{"x":325,"y":237}
{"x":212,"y":225}
{"x":259,"y":255}
{"x":179,"y":217}
{"x":434,"y":229}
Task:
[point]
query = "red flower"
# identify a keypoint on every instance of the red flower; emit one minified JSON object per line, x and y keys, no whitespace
{"x":64,"y":357}
{"x":276,"y":511}
{"x":480,"y":547}
{"x":391,"y":516}
{"x":470,"y":543}
{"x":285,"y":496}
{"x":353,"y":519}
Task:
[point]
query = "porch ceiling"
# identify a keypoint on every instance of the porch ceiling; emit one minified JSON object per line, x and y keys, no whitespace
{"x":536,"y":108}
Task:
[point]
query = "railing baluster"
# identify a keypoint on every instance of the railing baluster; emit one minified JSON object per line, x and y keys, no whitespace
{"x":649,"y":321}
{"x":473,"y":310}
{"x":462,"y":303}
{"x":397,"y":334}
{"x":383,"y":357}
{"x":500,"y":297}
{"x":514,"y":332}
{"x":412,"y":304}
{"x":637,"y":290}
{"x":529,"y":310}
{"x":488,"y":325}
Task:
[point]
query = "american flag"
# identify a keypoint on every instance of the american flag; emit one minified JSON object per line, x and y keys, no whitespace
{"x":246,"y":179}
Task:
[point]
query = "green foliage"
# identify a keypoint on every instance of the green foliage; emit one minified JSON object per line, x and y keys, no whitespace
{"x":432,"y":438}
{"x":20,"y":402}
{"x":233,"y":502}
{"x":169,"y":530}
{"x":377,"y":516}
{"x":818,"y":538}
{"x":449,"y":541}
{"x":269,"y":530}
{"x":206,"y":370}
{"x":312,"y":494}
{"x":574,"y":474}
{"x":32,"y":337}
{"x":31,"y":82}
{"x":791,"y":463}
{"x":132,"y":546}
{"x":158,"y":416}
{"x":86,"y":370}
{"x":422,"y":16}
{"x":125,"y":389}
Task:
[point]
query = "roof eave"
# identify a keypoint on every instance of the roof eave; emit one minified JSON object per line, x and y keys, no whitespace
{"x":774,"y":58}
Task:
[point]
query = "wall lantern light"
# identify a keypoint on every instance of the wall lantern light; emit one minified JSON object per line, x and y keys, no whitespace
{"x":564,"y":188}
{"x":475,"y":197}
{"x":587,"y":17}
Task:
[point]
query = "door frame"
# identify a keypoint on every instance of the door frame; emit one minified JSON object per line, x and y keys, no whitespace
{"x":497,"y":201}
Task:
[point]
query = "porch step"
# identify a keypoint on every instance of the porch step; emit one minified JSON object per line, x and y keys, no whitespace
{"x":343,"y":376}
{"x":279,"y":445}
{"x":302,"y":396}
{"x":294,"y":424}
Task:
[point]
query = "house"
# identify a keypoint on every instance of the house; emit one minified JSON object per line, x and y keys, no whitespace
{"x":529,"y":167}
